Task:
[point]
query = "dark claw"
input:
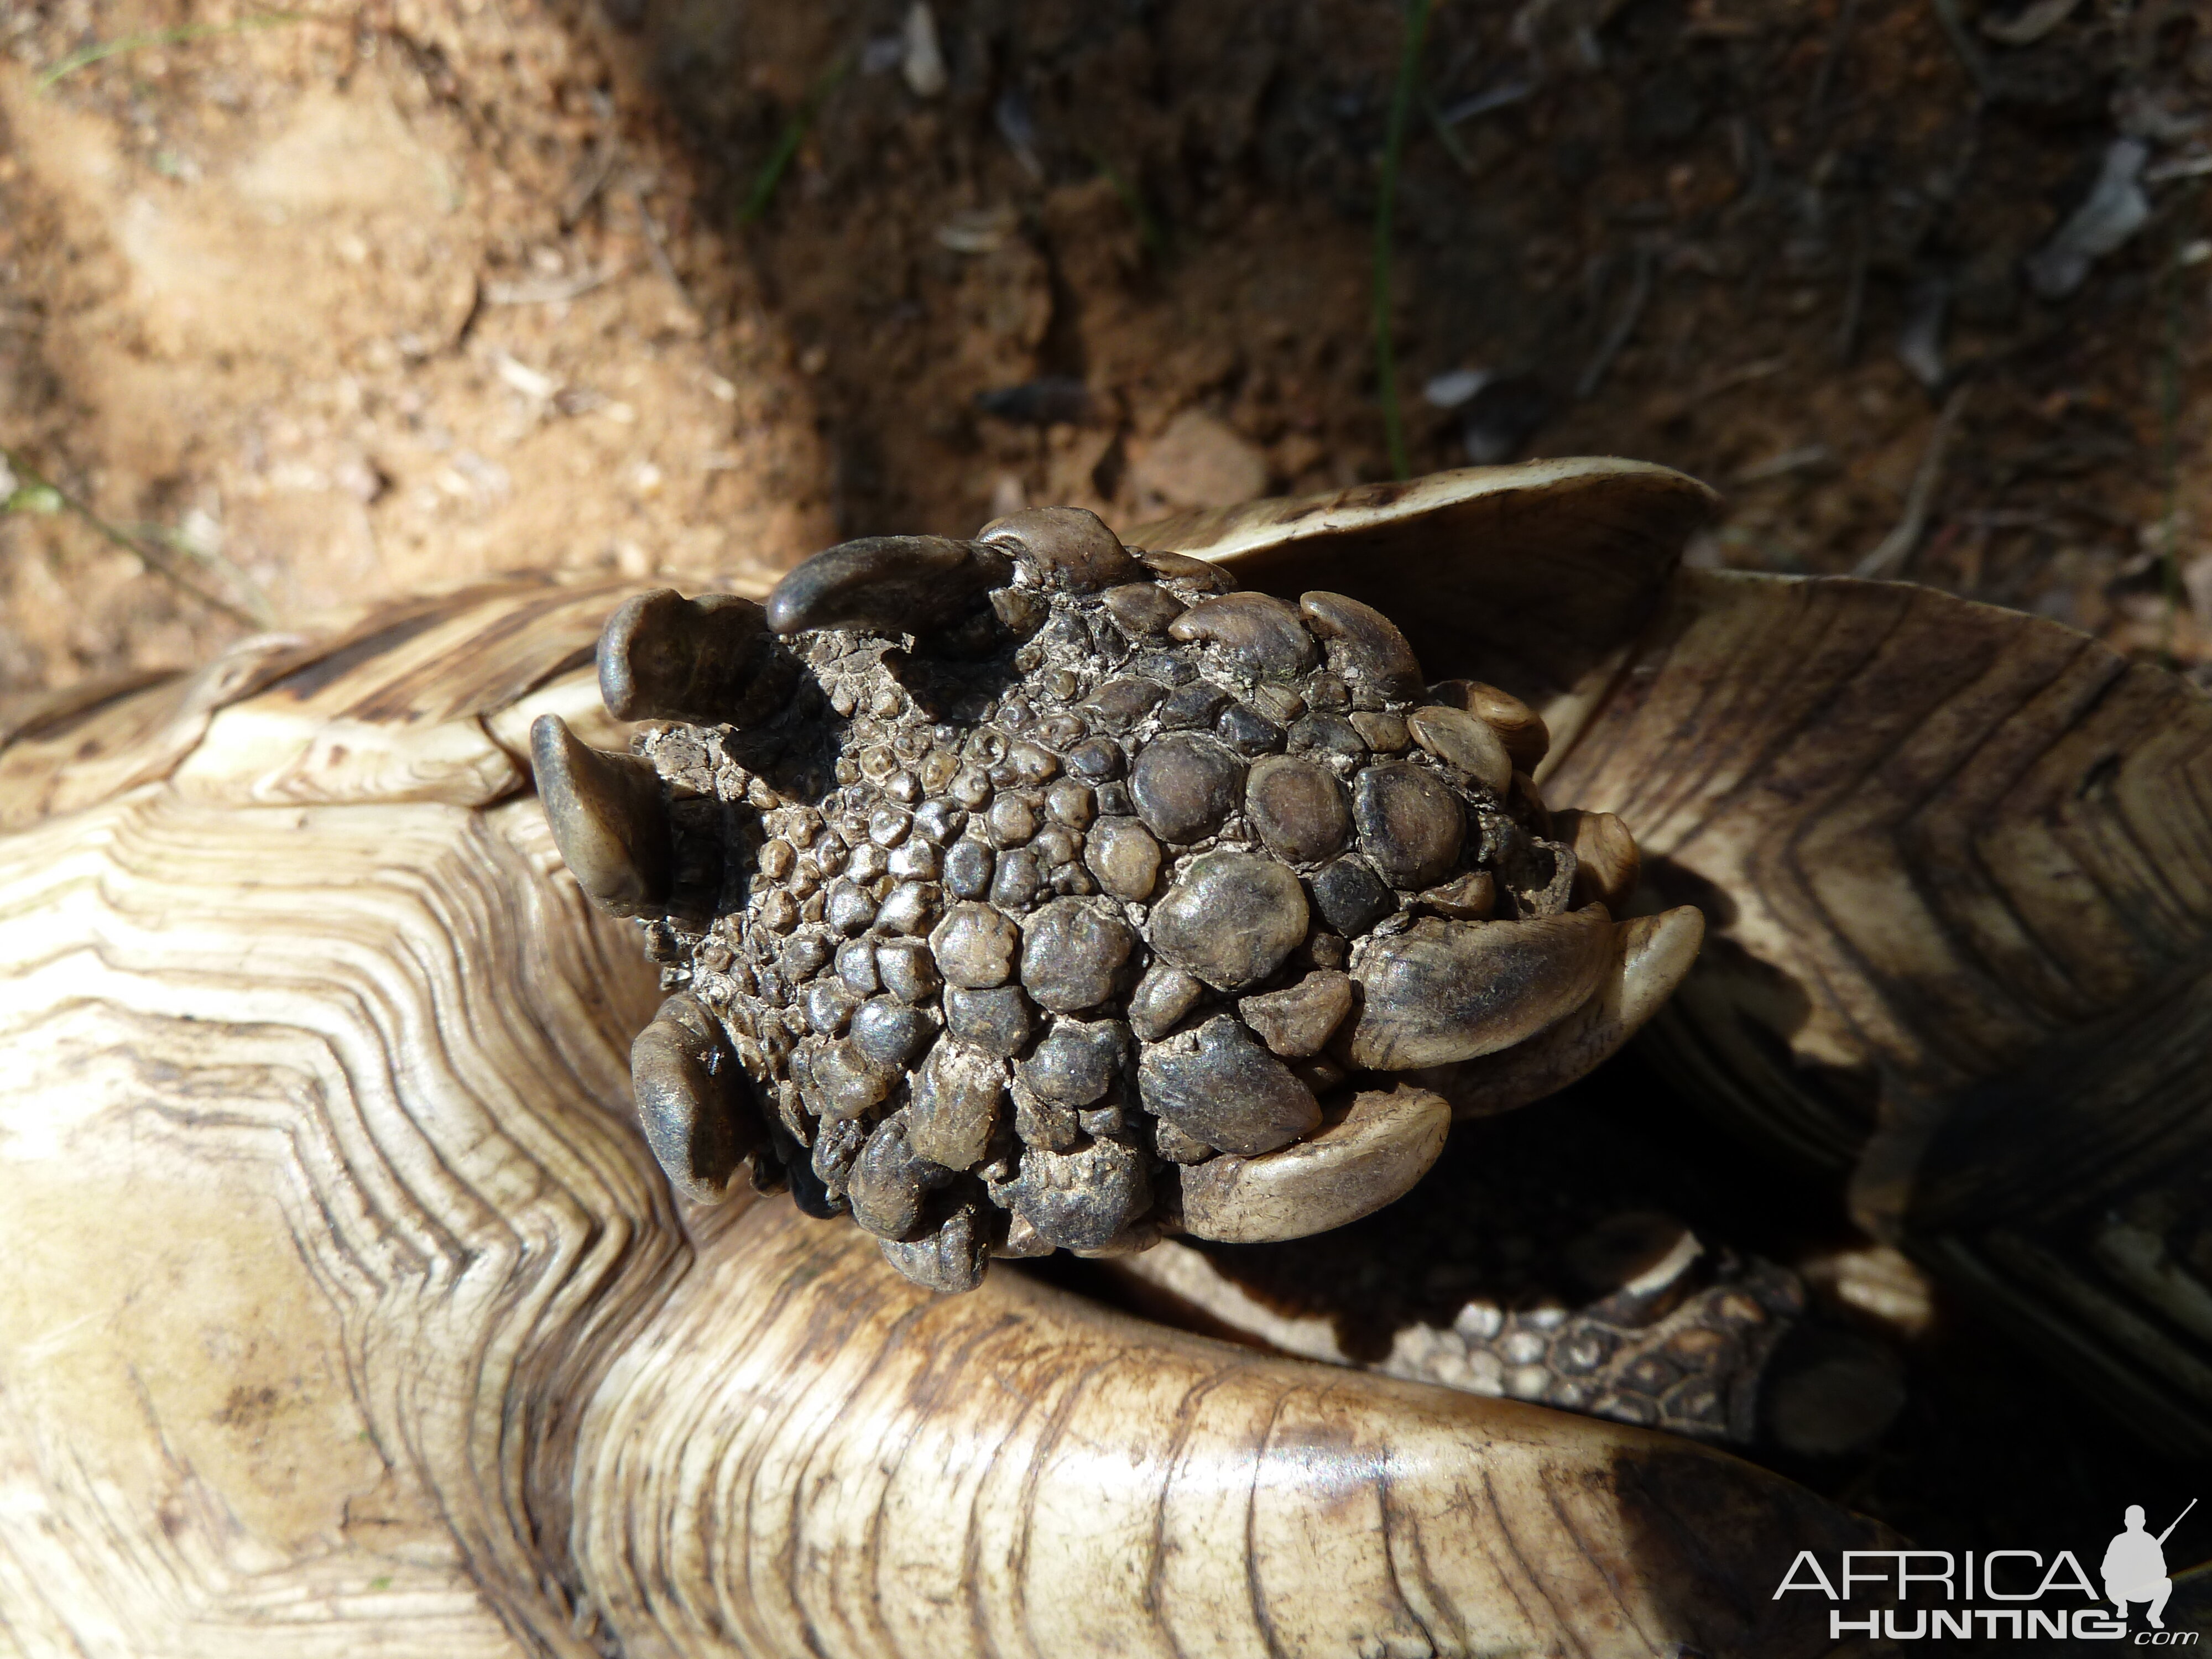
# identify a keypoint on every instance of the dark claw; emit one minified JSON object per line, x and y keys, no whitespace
{"x":710,"y":660}
{"x":695,"y":1104}
{"x":1068,"y":547}
{"x":1369,"y":642}
{"x":609,"y":817}
{"x":888,"y":585}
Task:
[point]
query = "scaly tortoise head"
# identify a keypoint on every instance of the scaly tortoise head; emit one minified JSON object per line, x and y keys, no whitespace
{"x":1039,"y":892}
{"x":344,"y":1301}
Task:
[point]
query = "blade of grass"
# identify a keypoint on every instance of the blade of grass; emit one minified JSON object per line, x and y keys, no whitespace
{"x":162,"y":536}
{"x":173,"y":37}
{"x":1386,"y":209}
{"x":1150,"y":230}
{"x":787,"y":141}
{"x":29,"y":475}
{"x":1448,"y":135}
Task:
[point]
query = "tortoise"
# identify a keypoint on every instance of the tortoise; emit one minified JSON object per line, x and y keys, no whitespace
{"x":347,"y":1303}
{"x":1035,"y":891}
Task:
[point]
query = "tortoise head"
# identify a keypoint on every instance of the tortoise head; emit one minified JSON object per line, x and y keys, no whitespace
{"x":1042,"y":892}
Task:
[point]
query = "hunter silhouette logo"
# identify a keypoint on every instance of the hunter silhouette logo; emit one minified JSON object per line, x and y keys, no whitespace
{"x":1996,"y":1595}
{"x":2135,"y":1566}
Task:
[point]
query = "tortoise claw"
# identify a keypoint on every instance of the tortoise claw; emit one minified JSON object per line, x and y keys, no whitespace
{"x":710,"y":660}
{"x":1367,"y":643}
{"x":1067,"y":547}
{"x":1468,"y":746}
{"x":1606,"y":863}
{"x":609,"y":818}
{"x":1521,"y":728}
{"x":1650,"y":957}
{"x":1447,"y":991}
{"x":1258,"y":632}
{"x":887,"y":585}
{"x":692,"y":1101}
{"x":1367,"y":1158}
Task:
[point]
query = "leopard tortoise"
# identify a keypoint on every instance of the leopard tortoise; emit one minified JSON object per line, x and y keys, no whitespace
{"x":346,"y":1307}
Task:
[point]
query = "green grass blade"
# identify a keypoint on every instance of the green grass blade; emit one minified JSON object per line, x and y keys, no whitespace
{"x":1386,"y":208}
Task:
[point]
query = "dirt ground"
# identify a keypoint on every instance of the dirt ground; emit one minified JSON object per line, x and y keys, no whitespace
{"x":340,"y":302}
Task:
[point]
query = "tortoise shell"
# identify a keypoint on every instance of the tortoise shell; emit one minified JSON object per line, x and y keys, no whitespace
{"x":346,"y":1303}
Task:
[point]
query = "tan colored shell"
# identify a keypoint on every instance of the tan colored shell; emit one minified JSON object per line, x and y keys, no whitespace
{"x":345,"y":1311}
{"x":1956,"y":861}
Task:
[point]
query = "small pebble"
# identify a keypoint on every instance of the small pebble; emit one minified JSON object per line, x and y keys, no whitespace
{"x":843,"y":1083}
{"x":802,"y":957}
{"x":1173,"y":1145}
{"x":1330,"y":733}
{"x":907,"y":969}
{"x":1031,"y":763}
{"x":829,"y":1005}
{"x":1056,"y":845}
{"x":1045,"y":1123}
{"x":939,"y":821}
{"x":889,"y":1182}
{"x":1168,"y":670}
{"x":1083,"y":1200}
{"x":1067,"y":547}
{"x":917,"y":861}
{"x":1364,"y":647}
{"x":950,"y":1259}
{"x":1329,"y":692}
{"x":1467,"y":898}
{"x":1464,"y":744}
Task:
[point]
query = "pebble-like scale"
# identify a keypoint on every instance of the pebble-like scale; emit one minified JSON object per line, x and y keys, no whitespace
{"x":1011,"y":929}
